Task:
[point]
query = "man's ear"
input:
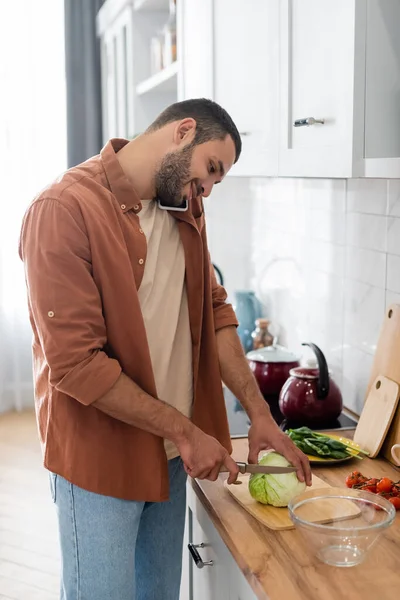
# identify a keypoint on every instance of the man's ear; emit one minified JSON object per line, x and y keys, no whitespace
{"x":184,"y":131}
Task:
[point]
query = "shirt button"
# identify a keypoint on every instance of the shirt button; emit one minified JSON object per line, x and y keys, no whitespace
{"x":50,"y":314}
{"x":141,"y":261}
{"x":123,"y":206}
{"x":136,"y":207}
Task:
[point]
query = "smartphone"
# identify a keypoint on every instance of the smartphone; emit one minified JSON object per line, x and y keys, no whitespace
{"x":181,"y":208}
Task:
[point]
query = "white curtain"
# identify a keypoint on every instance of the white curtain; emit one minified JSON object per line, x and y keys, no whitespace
{"x":32,"y":153}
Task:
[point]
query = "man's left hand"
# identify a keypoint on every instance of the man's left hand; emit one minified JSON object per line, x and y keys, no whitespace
{"x":264,"y":434}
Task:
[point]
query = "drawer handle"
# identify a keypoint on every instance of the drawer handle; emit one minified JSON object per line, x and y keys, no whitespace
{"x":308,"y":122}
{"x":198,"y":561}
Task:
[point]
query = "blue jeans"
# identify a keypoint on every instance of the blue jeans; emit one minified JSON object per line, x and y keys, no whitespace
{"x":115,"y":549}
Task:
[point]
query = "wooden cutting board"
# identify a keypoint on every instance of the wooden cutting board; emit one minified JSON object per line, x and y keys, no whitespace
{"x":387,"y":363}
{"x":278,"y":518}
{"x":377,"y":415}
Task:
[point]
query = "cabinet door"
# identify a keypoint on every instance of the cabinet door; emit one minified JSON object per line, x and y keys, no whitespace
{"x":239,"y":588}
{"x":319,"y":52}
{"x":116,"y":73}
{"x":246,"y":68}
{"x":195,"y":48}
{"x":210,"y":582}
{"x":186,"y":567}
{"x":382,"y":115}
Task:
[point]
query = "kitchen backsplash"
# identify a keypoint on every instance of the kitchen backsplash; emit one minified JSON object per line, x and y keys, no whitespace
{"x":322,"y":255}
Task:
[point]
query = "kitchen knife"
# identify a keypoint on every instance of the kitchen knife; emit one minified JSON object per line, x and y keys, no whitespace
{"x":247,"y":468}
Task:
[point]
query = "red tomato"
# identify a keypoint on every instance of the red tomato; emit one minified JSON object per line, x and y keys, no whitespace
{"x":372,"y":481}
{"x":369,"y":488}
{"x":384,"y":485}
{"x":355,"y":478}
{"x":351,"y":480}
{"x":396,"y":502}
{"x":395,"y":491}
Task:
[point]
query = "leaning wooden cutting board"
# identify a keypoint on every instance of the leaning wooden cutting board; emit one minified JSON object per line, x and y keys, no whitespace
{"x":387,"y":362}
{"x":278,"y":518}
{"x":377,"y":415}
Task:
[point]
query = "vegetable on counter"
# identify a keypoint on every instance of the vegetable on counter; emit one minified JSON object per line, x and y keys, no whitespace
{"x":317,"y":444}
{"x":276,"y":490}
{"x":383,"y":487}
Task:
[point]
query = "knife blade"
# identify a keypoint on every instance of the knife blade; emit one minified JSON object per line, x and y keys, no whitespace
{"x":247,"y":468}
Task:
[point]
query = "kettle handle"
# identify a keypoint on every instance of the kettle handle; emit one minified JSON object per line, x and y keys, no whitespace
{"x":218,"y":274}
{"x":323,"y":379}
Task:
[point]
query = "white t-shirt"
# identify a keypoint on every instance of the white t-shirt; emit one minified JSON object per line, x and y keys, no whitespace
{"x":164,"y":304}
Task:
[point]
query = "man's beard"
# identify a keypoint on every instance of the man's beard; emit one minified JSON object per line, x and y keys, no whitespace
{"x":172,"y":175}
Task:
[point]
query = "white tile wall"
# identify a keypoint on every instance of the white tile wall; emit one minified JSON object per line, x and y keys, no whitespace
{"x":322,"y":255}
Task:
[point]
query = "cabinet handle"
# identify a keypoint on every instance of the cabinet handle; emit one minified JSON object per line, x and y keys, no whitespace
{"x":198,"y":561}
{"x":308,"y":122}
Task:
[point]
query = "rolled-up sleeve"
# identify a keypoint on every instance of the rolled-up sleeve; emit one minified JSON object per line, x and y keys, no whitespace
{"x":65,"y":303}
{"x":224,"y":315}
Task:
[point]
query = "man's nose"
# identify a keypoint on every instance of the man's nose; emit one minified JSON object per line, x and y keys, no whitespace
{"x":206,"y":189}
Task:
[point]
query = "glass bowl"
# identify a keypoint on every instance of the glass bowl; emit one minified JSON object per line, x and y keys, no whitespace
{"x":340,"y":526}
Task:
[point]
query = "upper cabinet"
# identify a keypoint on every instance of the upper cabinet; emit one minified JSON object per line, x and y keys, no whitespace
{"x":246,"y":68}
{"x":319,"y":131}
{"x":229,"y":52}
{"x":139,"y":63}
{"x":382,"y":89}
{"x":196,"y":49}
{"x":312,"y":85}
{"x":339,"y":87}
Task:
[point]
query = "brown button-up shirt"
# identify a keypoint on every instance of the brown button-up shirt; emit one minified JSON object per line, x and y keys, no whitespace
{"x":84,"y":255}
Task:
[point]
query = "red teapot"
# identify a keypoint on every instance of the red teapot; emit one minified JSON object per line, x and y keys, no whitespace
{"x":310,"y":397}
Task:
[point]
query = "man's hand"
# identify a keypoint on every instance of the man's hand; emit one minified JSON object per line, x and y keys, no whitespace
{"x":264,"y":434}
{"x":203,"y":456}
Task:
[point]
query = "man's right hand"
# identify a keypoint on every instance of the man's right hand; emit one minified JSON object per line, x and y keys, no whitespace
{"x":203,"y":456}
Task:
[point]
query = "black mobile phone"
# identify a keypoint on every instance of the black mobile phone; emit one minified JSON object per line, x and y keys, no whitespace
{"x":181,"y":208}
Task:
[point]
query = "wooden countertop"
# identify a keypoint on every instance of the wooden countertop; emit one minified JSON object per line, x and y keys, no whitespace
{"x":278,"y":566}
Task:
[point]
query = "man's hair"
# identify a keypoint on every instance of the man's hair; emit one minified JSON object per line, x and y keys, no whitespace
{"x":212,"y":121}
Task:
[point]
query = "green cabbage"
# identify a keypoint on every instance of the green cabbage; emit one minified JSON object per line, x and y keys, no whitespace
{"x":276,"y":490}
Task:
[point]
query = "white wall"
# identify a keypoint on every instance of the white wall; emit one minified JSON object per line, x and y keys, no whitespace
{"x":323,"y":256}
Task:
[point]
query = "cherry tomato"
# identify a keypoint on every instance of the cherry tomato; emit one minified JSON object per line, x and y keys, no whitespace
{"x":384,"y":485}
{"x":372,"y":481}
{"x":396,"y":502}
{"x":395,"y":491}
{"x":368,"y":488}
{"x":355,"y":478}
{"x":351,"y":480}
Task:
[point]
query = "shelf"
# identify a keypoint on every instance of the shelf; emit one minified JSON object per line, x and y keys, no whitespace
{"x":164,"y":81}
{"x":151,"y":5}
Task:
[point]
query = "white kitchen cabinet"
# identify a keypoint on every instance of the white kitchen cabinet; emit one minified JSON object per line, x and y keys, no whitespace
{"x":238,"y":586}
{"x":246,"y":70}
{"x":220,"y":577}
{"x":115,"y":28}
{"x":319,"y":60}
{"x":382,"y":89}
{"x":195,"y":47}
{"x":229,"y":52}
{"x":339,"y":83}
{"x":134,"y":90}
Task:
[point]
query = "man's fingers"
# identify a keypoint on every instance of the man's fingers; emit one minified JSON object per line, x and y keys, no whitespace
{"x":306,"y":469}
{"x":232,"y":467}
{"x":301,"y":462}
{"x":253,"y":456}
{"x":213,"y":475}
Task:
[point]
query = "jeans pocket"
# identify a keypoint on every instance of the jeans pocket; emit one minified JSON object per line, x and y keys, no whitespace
{"x":53,"y":485}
